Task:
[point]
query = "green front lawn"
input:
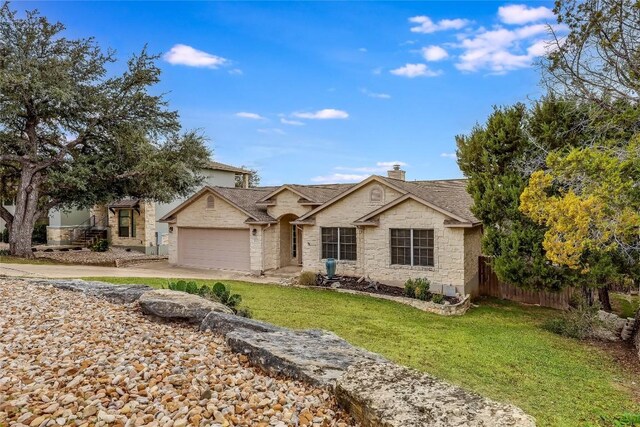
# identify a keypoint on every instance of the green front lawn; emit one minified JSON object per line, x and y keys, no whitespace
{"x":498,"y":349}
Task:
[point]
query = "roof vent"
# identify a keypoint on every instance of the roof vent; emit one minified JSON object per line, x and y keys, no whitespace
{"x":396,"y":173}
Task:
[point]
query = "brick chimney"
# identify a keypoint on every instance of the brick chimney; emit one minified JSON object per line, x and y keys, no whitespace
{"x":396,"y":173}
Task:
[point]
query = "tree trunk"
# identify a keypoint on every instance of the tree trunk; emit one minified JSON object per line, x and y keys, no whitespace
{"x":26,"y":213}
{"x":603,"y":296}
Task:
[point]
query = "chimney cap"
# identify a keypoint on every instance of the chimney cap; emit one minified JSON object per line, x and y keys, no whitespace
{"x":396,"y":167}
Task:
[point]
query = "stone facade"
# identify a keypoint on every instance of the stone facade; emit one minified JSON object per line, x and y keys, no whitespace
{"x":342,"y":214}
{"x":144,"y":220}
{"x":59,"y":235}
{"x":456,"y":249}
{"x":199,"y":214}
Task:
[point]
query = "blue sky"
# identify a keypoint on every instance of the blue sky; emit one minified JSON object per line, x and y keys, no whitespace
{"x":314,"y":92}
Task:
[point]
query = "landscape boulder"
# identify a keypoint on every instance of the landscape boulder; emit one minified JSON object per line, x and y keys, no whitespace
{"x":120,"y":294}
{"x":175,"y":305}
{"x":315,"y":356}
{"x":388,"y":395}
{"x":223,"y":323}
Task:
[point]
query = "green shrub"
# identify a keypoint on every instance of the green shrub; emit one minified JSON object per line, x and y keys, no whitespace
{"x":410,"y":288}
{"x":627,"y":420}
{"x":4,"y":252}
{"x":217,"y":292}
{"x":422,"y":289}
{"x":189,"y":287}
{"x":5,"y":235}
{"x":101,"y":245}
{"x":437,"y":298}
{"x":39,"y":234}
{"x":307,"y":278}
{"x":577,"y":322}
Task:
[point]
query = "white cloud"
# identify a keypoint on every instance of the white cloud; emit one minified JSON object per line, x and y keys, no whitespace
{"x":338,"y":177}
{"x":235,"y":72}
{"x":253,"y":116}
{"x":500,"y":50}
{"x":375,"y":94}
{"x":291,"y":122}
{"x":380,"y":167}
{"x":326,"y":114}
{"x":522,"y":14}
{"x":427,"y":26}
{"x":449,"y":155}
{"x":182,"y":54}
{"x":362,"y":49}
{"x":434,"y":53}
{"x":272,"y":131}
{"x":415,"y":70}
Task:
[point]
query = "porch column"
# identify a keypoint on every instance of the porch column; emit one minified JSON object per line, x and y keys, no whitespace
{"x":256,"y":249}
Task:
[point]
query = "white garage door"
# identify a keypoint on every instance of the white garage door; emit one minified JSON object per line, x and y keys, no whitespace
{"x":214,"y":248}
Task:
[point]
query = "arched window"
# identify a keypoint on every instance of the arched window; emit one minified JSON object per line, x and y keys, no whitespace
{"x":376,"y":195}
{"x":211,"y":202}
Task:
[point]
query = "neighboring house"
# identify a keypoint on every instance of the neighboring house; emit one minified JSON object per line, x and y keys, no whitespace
{"x":57,"y":220}
{"x":131,"y":223}
{"x":383,"y":227}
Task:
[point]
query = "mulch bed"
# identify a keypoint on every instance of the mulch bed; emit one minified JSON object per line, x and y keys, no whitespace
{"x":364,"y":285}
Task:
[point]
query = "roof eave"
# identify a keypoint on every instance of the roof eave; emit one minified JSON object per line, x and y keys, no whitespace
{"x":462,"y":225}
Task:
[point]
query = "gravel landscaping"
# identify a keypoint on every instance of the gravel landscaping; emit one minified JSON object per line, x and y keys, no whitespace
{"x":72,"y":359}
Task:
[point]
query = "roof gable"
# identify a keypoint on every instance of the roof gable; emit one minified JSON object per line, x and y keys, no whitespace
{"x":240,"y":198}
{"x":351,"y":190}
{"x":368,"y":219}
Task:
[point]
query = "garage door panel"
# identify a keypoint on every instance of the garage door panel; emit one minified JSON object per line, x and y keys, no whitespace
{"x":214,"y":248}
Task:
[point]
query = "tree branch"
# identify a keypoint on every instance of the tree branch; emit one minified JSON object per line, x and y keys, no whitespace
{"x":6,"y":215}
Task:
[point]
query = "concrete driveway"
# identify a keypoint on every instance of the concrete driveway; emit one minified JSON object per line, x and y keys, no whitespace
{"x":153,"y":269}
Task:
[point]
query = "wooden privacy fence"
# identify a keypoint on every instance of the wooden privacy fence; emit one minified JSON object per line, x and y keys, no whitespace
{"x":492,"y":287}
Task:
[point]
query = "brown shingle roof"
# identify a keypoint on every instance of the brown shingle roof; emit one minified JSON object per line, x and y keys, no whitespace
{"x":246,"y":199}
{"x":321,"y":193}
{"x":448,"y":194}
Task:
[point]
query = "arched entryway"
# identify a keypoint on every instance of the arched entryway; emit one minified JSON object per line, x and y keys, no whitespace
{"x":290,"y":241}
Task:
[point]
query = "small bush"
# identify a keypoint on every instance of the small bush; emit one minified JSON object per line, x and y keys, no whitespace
{"x":4,"y":252}
{"x":307,"y":278}
{"x":437,"y":298}
{"x":189,"y":287}
{"x":5,"y":235}
{"x":577,"y":322}
{"x":101,"y":245}
{"x":422,"y":289}
{"x":410,"y":288}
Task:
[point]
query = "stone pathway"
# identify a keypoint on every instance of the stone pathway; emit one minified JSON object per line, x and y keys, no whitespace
{"x":71,"y":359}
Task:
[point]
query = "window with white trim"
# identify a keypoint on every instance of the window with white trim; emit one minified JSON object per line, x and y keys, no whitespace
{"x":339,"y":243}
{"x":411,"y":246}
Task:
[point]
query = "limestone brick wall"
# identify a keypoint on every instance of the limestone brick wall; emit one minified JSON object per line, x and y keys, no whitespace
{"x":287,"y":203}
{"x":342,"y":214}
{"x":59,"y":235}
{"x":173,"y":244}
{"x":448,"y":266}
{"x":472,"y":251}
{"x":100,"y":212}
{"x":256,"y":246}
{"x":271,"y":246}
